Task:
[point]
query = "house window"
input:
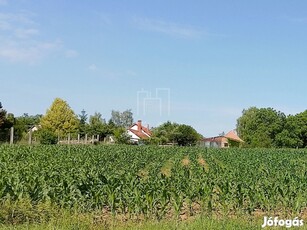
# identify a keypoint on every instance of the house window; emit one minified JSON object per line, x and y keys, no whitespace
{"x":225,"y":145}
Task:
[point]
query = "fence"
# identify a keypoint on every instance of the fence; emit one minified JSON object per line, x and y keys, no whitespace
{"x":69,"y":139}
{"x":79,"y":140}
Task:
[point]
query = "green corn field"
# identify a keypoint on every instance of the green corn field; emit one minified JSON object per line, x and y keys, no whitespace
{"x":156,"y":181}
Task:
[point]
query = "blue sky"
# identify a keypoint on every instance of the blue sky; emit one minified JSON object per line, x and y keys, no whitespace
{"x":212,"y":58}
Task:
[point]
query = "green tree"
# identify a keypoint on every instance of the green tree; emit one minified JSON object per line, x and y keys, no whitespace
{"x":180,"y":134}
{"x":82,"y":123}
{"x":2,"y":115}
{"x":60,"y":118}
{"x":97,"y":125}
{"x":186,"y":135}
{"x":289,"y":137}
{"x":121,"y":136}
{"x":122,"y":119}
{"x":47,"y":137}
{"x":23,"y":123}
{"x":294,"y":134}
{"x":166,"y":132}
{"x":6,"y":122}
{"x":302,"y":117}
{"x":259,"y":127}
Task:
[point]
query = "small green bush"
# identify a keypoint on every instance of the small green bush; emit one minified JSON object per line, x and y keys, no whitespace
{"x":47,"y":137}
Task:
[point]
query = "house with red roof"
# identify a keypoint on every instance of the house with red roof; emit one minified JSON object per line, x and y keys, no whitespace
{"x":138,"y":132}
{"x":223,"y":141}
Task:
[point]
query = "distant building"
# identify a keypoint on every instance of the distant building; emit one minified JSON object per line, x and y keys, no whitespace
{"x":34,"y":128}
{"x":138,"y":132}
{"x":224,"y":141}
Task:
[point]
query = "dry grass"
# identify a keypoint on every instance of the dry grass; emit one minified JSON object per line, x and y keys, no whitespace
{"x":204,"y":164}
{"x":166,"y":170}
{"x":185,"y":161}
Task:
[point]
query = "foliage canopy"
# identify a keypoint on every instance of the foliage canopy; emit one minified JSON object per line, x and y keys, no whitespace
{"x":266,"y":127}
{"x":60,"y":118}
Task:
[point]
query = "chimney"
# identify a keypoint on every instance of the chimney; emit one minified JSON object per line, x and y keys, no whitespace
{"x":147,"y":126}
{"x":139,"y":125}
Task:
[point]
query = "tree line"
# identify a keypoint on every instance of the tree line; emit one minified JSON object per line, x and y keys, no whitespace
{"x":60,"y":120}
{"x":266,"y":127}
{"x":258,"y":127}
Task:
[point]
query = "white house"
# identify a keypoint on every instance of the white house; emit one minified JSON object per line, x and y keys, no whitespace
{"x":138,"y":132}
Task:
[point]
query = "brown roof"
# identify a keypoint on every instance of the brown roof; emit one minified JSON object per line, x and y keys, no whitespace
{"x":141,"y":130}
{"x":140,"y":134}
{"x":214,"y":139}
{"x":232,"y":135}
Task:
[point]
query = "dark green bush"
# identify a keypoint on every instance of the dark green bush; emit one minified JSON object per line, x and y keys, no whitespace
{"x":47,"y":137}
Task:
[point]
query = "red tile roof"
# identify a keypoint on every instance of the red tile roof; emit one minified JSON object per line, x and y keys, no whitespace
{"x":232,"y":135}
{"x":141,"y":132}
{"x":214,"y":139}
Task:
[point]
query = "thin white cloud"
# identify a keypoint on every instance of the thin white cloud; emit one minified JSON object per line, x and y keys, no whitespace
{"x":26,"y":33}
{"x":131,"y":73}
{"x":22,"y":17}
{"x":92,"y":67}
{"x":105,"y":19}
{"x":173,"y":29}
{"x":3,"y":2}
{"x":28,"y":53}
{"x":299,"y":20}
{"x":19,"y":41}
{"x":71,"y":53}
{"x":294,"y":19}
{"x":4,"y":25}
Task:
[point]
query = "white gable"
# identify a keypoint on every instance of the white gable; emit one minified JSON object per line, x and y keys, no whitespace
{"x":133,"y":136}
{"x":134,"y":127}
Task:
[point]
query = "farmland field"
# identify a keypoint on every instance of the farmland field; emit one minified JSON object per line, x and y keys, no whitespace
{"x":147,"y":182}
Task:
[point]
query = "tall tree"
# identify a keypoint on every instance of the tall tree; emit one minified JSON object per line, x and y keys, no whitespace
{"x":2,"y":115}
{"x":303,"y":124}
{"x":97,"y":125}
{"x":82,"y":123}
{"x":180,"y":134}
{"x":83,"y":117}
{"x":60,"y":118}
{"x":186,"y":135}
{"x":166,"y":132}
{"x":259,"y":127}
{"x":289,"y":137}
{"x":23,"y":123}
{"x":6,"y":122}
{"x":122,"y":119}
{"x":294,"y":134}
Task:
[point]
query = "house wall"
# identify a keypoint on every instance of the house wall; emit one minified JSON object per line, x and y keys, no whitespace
{"x":133,"y":136}
{"x":134,"y":127}
{"x":217,"y":143}
{"x":224,"y":143}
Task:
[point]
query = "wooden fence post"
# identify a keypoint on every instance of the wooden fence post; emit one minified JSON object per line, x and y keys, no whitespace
{"x":30,"y":137}
{"x":78,"y":138}
{"x":12,"y":135}
{"x":85,"y":140}
{"x":68,"y":140}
